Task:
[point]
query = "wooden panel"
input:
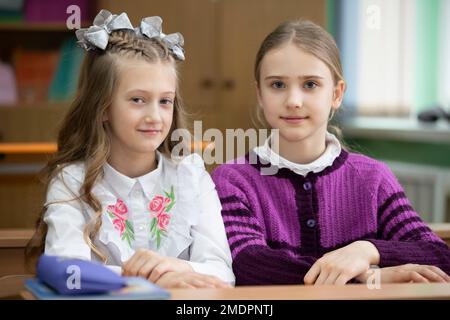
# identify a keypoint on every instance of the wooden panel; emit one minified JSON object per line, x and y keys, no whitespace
{"x":31,"y":124}
{"x":15,"y":238}
{"x":21,"y":197}
{"x":12,"y":251}
{"x":12,"y":261}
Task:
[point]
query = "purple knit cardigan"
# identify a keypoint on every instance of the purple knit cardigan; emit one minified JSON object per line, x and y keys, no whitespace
{"x":279,"y":225}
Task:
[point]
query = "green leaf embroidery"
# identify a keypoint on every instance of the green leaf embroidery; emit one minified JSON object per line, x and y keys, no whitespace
{"x":126,"y":236}
{"x":158,"y":239}
{"x":169,"y":207}
{"x":153,"y":226}
{"x":129,"y":226}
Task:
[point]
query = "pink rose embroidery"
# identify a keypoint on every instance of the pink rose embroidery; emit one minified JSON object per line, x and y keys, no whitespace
{"x":158,"y":204}
{"x":119,"y":216}
{"x":119,"y":224}
{"x":120,"y":210}
{"x":163,"y":220}
{"x":160,"y":207}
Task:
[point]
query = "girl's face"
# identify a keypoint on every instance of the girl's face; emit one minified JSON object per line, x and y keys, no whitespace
{"x":141,"y":112}
{"x":296,"y":93}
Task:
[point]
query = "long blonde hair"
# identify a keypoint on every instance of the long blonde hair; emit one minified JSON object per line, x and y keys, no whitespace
{"x":309,"y":37}
{"x":82,"y":136}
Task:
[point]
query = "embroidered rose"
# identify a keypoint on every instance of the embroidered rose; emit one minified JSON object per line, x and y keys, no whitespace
{"x":120,"y":210}
{"x":119,"y":224}
{"x":158,"y":204}
{"x":160,"y":207}
{"x":163,"y":220}
{"x":118,"y":213}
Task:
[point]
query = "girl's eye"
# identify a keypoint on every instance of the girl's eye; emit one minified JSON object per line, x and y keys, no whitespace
{"x":310,"y":85}
{"x":166,"y":101}
{"x":138,"y":100}
{"x":278,"y":85}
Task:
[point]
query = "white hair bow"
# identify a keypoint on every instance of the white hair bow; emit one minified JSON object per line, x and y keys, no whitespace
{"x":97,"y":35}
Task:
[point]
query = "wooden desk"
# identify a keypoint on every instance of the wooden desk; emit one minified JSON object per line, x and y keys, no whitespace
{"x":12,"y":285}
{"x":442,"y":230}
{"x":12,"y":246}
{"x":300,"y":292}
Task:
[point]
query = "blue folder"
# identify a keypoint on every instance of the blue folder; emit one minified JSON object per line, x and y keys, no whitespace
{"x":59,"y":278}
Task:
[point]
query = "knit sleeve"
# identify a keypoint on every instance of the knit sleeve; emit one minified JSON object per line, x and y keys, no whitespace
{"x":402,"y":236}
{"x":254,"y":262}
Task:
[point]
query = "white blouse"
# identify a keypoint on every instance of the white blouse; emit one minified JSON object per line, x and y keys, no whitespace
{"x":173,"y":210}
{"x":332,"y":151}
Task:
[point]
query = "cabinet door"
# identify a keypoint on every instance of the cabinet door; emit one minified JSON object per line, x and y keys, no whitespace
{"x":195,"y":19}
{"x":242,"y":26}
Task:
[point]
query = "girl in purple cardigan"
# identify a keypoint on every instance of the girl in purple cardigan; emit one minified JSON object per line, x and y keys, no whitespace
{"x":324,"y":216}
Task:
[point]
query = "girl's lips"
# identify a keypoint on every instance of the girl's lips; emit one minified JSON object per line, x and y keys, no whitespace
{"x":294,"y":120}
{"x":150,"y":132}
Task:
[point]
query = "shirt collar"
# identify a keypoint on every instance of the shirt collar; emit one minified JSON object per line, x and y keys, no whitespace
{"x":332,"y":151}
{"x":123,"y":184}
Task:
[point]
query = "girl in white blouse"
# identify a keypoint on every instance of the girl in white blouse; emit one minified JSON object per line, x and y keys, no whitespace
{"x":113,"y":193}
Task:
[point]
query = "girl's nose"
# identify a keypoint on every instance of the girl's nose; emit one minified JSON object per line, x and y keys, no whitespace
{"x":295,"y":99}
{"x":152,"y":113}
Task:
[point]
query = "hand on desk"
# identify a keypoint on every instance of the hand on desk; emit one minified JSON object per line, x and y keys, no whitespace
{"x":190,"y":280}
{"x":152,"y":266}
{"x":342,"y":265}
{"x":408,"y":273}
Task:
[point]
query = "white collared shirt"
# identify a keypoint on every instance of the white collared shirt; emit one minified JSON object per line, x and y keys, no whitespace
{"x":177,"y":200}
{"x":332,"y":151}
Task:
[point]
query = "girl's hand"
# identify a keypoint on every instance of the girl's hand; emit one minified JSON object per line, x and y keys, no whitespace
{"x":341,"y":265}
{"x":408,"y":273}
{"x":190,"y":280}
{"x":150,"y":265}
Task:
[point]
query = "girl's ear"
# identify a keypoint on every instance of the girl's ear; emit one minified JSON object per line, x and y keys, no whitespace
{"x":105,"y":116}
{"x":338,"y":94}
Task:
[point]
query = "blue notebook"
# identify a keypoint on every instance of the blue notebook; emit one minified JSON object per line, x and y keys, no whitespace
{"x":135,"y":289}
{"x":62,"y":278}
